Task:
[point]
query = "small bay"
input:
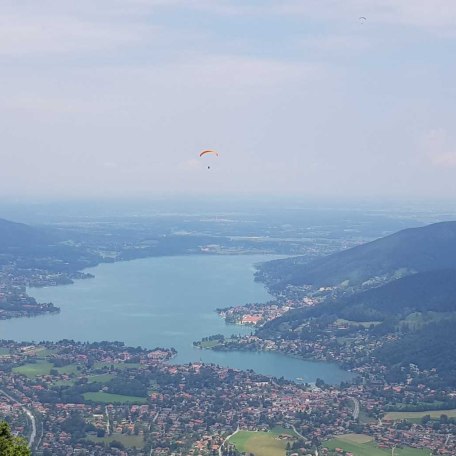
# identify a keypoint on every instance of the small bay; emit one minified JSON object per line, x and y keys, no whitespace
{"x":165,"y":302}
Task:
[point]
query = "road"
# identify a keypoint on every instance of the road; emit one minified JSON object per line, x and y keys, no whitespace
{"x":355,"y":408}
{"x":153,"y":421}
{"x":228,"y":438}
{"x":28,"y":413}
{"x":108,"y":424}
{"x":296,"y":432}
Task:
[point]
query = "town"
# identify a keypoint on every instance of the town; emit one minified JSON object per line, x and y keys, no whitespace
{"x":105,"y":398}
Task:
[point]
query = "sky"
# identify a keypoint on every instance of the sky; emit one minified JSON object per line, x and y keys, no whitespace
{"x":116,"y":98}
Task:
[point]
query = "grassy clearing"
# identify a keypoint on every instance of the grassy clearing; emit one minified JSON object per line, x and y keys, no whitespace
{"x":278,"y":430}
{"x":128,"y":441}
{"x":402,"y":407}
{"x":369,"y":448}
{"x":32,"y":370}
{"x":365,"y":324}
{"x":42,"y":367}
{"x":210,"y":343}
{"x":108,"y":398}
{"x":4,"y":351}
{"x":364,"y":418}
{"x":64,"y":382}
{"x":356,"y":438}
{"x":100,"y":378}
{"x":417,"y":320}
{"x":261,"y":443}
{"x":395,"y":416}
{"x":70,"y":369}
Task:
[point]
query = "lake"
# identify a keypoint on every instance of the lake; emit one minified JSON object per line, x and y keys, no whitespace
{"x":165,"y":302}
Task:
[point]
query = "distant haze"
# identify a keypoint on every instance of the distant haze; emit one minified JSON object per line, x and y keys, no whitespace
{"x":114,"y":98}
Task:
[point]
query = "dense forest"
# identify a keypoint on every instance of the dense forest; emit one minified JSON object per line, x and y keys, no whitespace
{"x":431,"y":347}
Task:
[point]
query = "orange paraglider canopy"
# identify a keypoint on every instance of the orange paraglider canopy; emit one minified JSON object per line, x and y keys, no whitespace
{"x":209,"y":151}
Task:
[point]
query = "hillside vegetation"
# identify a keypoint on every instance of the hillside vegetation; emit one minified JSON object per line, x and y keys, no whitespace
{"x":17,"y":237}
{"x":413,"y":250}
{"x":418,"y":309}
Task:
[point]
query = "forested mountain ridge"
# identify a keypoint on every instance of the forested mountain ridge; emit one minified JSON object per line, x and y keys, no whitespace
{"x":412,"y":250}
{"x":430,"y":347}
{"x":433,"y":291}
{"x":29,"y":247}
{"x":18,"y":236}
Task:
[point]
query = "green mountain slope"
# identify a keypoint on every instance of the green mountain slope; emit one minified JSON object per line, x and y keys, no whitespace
{"x":433,"y":291}
{"x":415,"y":250}
{"x":431,"y":347}
{"x":422,"y":292}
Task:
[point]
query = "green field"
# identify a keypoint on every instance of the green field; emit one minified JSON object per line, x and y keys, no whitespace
{"x":64,"y":382}
{"x":43,"y":368}
{"x":128,"y":441}
{"x":278,"y":430}
{"x":419,"y":406}
{"x":364,"y":418}
{"x":108,"y":398}
{"x":100,"y":378}
{"x":70,"y":369}
{"x":360,"y":445}
{"x":31,"y":370}
{"x":210,"y":343}
{"x":4,"y":351}
{"x":356,"y":438}
{"x":261,"y":443}
{"x":395,"y":416}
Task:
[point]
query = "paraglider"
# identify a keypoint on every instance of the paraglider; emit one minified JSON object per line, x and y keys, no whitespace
{"x":209,"y":152}
{"x":362,"y":19}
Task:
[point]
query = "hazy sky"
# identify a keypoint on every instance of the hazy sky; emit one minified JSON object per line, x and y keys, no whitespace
{"x":117,"y":97}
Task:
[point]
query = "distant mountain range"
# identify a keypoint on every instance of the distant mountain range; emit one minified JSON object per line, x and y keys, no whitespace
{"x":38,"y":248}
{"x":411,"y":250}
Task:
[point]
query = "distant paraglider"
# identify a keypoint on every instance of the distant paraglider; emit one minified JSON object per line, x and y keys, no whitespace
{"x":209,"y":152}
{"x":362,"y":19}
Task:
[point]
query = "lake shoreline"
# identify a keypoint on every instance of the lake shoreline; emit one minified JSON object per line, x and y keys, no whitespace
{"x":170,"y":302}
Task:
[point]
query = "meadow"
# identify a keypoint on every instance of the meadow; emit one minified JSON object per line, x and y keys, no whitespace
{"x":129,"y":441}
{"x":42,"y":367}
{"x":363,"y":445}
{"x":435,"y":414}
{"x":108,"y":398}
{"x":262,"y":443}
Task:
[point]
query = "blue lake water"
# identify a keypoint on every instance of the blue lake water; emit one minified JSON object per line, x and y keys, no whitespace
{"x":166,"y":302}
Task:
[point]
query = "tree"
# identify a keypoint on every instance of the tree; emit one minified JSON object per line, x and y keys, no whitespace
{"x":425,"y":419}
{"x":11,"y":445}
{"x":117,"y":444}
